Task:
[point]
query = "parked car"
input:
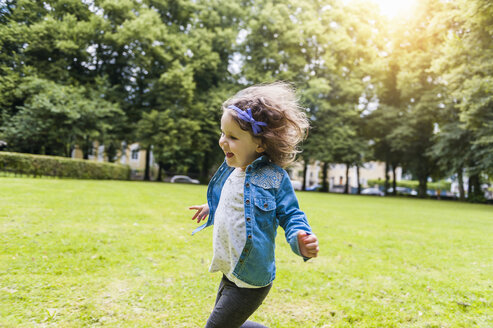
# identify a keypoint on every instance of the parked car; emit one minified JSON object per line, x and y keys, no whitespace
{"x":372,"y":191}
{"x":313,"y":188}
{"x":337,"y":188}
{"x":183,"y":179}
{"x":403,"y":191}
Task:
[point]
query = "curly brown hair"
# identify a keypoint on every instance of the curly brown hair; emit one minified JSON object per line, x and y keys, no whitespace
{"x":275,"y":104}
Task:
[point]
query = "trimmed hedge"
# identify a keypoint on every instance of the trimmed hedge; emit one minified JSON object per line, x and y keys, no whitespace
{"x":62,"y":167}
{"x":413,"y":184}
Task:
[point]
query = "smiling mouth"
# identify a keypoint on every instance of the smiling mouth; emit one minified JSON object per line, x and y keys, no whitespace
{"x":229,"y":155}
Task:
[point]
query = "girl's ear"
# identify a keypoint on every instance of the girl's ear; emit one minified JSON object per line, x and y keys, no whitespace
{"x":260,"y":149}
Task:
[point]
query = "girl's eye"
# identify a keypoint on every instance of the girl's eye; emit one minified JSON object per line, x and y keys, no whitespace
{"x":231,"y":137}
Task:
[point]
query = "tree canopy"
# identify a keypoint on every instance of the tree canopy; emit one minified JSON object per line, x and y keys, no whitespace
{"x":412,"y":91}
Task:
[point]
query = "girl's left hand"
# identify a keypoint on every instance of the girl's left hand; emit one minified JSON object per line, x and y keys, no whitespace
{"x":308,"y":244}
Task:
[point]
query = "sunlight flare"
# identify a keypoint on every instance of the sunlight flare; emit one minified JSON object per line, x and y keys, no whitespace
{"x":392,"y":8}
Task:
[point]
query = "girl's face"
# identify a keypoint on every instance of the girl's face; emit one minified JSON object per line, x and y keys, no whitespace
{"x":239,"y":146}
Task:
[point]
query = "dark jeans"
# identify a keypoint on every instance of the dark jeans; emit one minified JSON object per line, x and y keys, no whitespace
{"x":234,"y":305}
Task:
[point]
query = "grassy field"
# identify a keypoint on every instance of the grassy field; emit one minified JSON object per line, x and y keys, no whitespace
{"x":119,"y":254}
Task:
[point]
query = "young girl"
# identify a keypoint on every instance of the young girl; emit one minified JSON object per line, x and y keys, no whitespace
{"x":250,"y":196}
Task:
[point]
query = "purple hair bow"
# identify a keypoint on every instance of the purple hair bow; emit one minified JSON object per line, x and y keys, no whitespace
{"x":247,"y":116}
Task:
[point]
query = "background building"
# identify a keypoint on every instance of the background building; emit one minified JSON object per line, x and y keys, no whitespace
{"x":131,"y":155}
{"x":337,"y":175}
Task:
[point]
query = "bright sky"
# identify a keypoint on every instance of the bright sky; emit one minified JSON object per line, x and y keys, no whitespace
{"x":391,"y":8}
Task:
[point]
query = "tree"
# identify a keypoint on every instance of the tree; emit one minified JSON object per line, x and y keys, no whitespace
{"x":213,"y":43}
{"x":465,"y":71}
{"x":54,"y":118}
{"x":452,"y":150}
{"x":387,"y":117}
{"x":419,"y":92}
{"x":343,"y":51}
{"x":50,"y":67}
{"x":156,"y":54}
{"x":172,"y":139}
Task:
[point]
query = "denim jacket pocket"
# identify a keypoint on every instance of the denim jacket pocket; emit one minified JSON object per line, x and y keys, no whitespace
{"x":265,"y":211}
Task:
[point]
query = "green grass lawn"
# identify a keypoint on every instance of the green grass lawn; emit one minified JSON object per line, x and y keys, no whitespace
{"x":79,"y":253}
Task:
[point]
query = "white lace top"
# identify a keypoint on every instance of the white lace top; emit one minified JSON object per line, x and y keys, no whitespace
{"x":229,"y":236}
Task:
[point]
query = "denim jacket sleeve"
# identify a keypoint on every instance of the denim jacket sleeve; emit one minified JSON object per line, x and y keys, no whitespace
{"x":290,"y":217}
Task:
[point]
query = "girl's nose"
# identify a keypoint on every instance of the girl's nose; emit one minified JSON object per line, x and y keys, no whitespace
{"x":221,"y":141}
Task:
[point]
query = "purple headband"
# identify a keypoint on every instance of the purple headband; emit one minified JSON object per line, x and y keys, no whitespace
{"x":247,"y":116}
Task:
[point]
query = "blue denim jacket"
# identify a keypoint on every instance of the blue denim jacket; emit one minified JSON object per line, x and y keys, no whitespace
{"x":270,"y":201}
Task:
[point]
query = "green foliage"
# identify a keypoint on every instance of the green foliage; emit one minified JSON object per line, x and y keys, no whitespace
{"x":466,"y":72}
{"x":37,"y":165}
{"x":99,"y":57}
{"x":54,"y":118}
{"x":418,"y":91}
{"x":72,"y":72}
{"x":338,"y":59}
{"x":173,"y":139}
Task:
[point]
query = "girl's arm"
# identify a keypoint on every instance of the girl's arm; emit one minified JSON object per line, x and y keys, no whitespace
{"x":296,"y":228}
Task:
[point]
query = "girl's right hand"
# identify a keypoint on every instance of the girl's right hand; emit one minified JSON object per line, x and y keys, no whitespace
{"x":202,"y":212}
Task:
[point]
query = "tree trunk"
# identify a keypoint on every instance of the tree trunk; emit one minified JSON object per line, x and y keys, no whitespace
{"x":325,"y":182}
{"x":394,"y":182}
{"x":111,"y":152}
{"x":386,"y":184}
{"x":204,"y":170}
{"x":422,"y":187}
{"x":474,"y":189}
{"x":159,"y":174}
{"x":462,"y":194}
{"x":357,"y":177}
{"x":305,"y":171}
{"x":346,"y":186}
{"x":86,"y":149}
{"x":147,"y":175}
{"x":477,"y":186}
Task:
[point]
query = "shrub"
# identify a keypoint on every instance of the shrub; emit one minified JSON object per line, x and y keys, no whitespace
{"x":62,"y":167}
